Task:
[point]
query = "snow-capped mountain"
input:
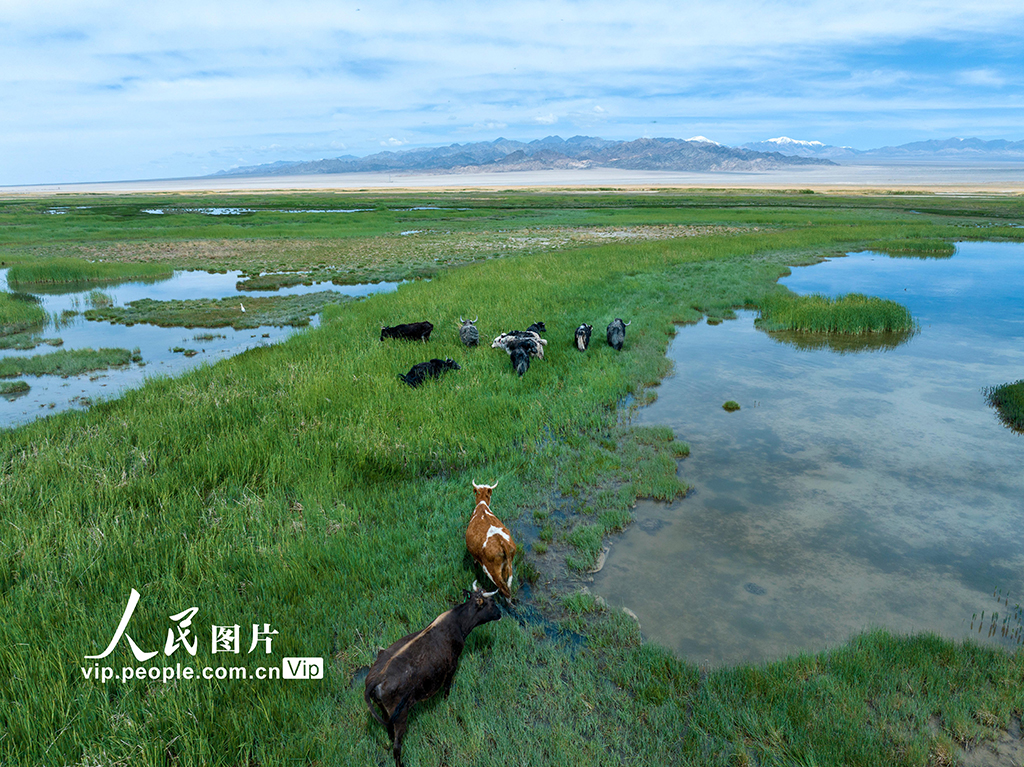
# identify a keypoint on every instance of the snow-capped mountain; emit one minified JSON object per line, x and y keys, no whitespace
{"x":954,"y":150}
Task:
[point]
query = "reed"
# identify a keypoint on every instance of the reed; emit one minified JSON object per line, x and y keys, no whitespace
{"x":850,"y":314}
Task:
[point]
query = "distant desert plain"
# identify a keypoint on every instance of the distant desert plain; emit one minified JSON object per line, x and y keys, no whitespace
{"x":994,"y":178}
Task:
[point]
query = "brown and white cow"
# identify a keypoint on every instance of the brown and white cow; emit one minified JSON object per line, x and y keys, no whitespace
{"x":490,"y":542}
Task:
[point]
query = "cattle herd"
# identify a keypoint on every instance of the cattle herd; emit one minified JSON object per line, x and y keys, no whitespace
{"x":520,"y":345}
{"x":420,"y":665}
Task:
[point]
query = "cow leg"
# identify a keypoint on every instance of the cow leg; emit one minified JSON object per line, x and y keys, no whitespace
{"x":448,"y":682}
{"x":399,"y":733}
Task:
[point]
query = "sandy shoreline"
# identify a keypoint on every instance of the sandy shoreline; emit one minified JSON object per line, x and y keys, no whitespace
{"x":989,"y":179}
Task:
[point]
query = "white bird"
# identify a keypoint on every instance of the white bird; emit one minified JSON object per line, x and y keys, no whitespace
{"x":243,"y":308}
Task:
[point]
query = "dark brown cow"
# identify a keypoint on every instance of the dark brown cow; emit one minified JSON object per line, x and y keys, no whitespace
{"x":490,"y":542}
{"x":410,"y":331}
{"x":419,"y":665}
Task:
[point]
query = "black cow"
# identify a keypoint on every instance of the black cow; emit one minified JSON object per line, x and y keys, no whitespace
{"x":520,"y":359}
{"x":468,"y":333}
{"x":537,"y":327}
{"x":617,"y":333}
{"x":583,"y":336}
{"x":423,"y":370}
{"x":419,"y":665}
{"x":412,"y":331}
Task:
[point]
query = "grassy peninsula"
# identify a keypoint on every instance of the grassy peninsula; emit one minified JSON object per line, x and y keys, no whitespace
{"x":303,"y":486}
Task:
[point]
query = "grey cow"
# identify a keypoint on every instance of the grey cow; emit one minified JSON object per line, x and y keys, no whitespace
{"x":617,"y":333}
{"x":468,"y":333}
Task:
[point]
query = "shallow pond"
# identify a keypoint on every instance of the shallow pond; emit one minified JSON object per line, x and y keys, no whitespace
{"x":53,"y":393}
{"x":852,"y":490}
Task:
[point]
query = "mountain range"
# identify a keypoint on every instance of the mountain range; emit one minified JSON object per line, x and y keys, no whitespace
{"x":696,"y":154}
{"x":948,"y":151}
{"x":552,"y":152}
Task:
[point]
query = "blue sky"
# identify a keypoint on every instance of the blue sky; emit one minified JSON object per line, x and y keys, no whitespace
{"x":94,"y":91}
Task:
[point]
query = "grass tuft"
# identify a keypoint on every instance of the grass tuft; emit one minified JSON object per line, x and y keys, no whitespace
{"x":1008,"y":400}
{"x":13,"y":387}
{"x":19,"y":313}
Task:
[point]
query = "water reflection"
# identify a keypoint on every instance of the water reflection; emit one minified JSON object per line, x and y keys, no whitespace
{"x":842,"y":343}
{"x":851,"y":490}
{"x":165,"y":351}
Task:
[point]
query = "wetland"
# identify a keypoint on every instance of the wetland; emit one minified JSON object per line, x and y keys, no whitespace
{"x":161,"y":322}
{"x":302,"y":485}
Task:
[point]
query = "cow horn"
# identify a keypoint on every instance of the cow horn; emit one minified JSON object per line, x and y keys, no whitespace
{"x":475,"y":587}
{"x":630,"y":322}
{"x":490,"y":593}
{"x":476,"y":318}
{"x":460,"y":319}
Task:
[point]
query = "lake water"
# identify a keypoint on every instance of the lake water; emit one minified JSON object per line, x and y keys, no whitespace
{"x":52,"y":393}
{"x":852,"y":490}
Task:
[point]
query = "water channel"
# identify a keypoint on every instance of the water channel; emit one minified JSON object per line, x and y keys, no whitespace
{"x":48,"y":394}
{"x":855,"y":489}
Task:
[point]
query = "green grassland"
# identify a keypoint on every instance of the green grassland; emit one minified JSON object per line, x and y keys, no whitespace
{"x":304,"y":486}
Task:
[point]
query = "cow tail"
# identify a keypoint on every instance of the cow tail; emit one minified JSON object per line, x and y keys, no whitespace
{"x":400,"y":706}
{"x":511,"y":572}
{"x":372,"y":704}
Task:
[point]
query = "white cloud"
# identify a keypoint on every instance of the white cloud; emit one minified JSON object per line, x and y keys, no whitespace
{"x":548,"y":119}
{"x":985,"y":78}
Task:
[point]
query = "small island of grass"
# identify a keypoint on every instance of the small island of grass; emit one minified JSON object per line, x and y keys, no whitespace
{"x":853,"y":313}
{"x":59,"y":271}
{"x":1008,"y":400}
{"x":65,"y":363}
{"x":731,"y":406}
{"x":20,"y":312}
{"x":916,"y":248}
{"x":216,"y":313}
{"x":12,"y":388}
